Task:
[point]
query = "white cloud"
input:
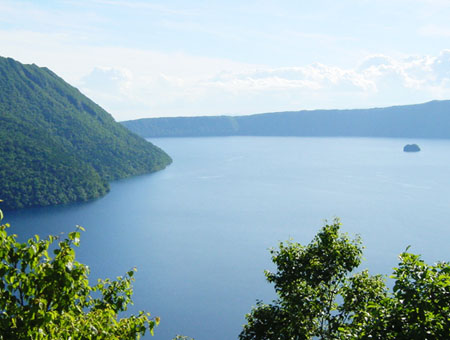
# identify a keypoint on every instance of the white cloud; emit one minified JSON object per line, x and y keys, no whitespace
{"x":379,"y":80}
{"x":133,"y":83}
{"x":111,"y":80}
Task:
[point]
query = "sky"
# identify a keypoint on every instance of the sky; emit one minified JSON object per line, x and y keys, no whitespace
{"x":141,"y":59}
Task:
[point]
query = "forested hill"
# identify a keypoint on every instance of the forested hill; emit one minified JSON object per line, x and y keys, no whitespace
{"x":428,"y":120}
{"x":58,"y":146}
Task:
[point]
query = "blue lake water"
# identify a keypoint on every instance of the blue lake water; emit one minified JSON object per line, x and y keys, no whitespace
{"x":199,"y":231}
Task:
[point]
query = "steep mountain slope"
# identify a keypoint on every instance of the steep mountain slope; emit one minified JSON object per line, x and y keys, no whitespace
{"x":428,"y":120}
{"x":57,"y":146}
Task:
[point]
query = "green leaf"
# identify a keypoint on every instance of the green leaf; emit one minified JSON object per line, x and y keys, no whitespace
{"x":49,"y":297}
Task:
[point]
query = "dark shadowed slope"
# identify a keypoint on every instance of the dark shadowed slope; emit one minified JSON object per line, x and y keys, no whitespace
{"x":428,"y":120}
{"x":58,"y":146}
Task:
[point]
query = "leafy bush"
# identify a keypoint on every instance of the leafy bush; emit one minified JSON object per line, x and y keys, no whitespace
{"x":319,"y":298}
{"x":44,"y":296}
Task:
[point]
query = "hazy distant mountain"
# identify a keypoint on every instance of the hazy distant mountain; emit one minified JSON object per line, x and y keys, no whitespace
{"x":56,"y":145}
{"x":428,"y":120}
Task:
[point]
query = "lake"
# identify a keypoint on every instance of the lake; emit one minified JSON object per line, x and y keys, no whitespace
{"x":199,"y":231}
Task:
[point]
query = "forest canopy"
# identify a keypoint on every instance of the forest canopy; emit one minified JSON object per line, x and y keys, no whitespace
{"x":57,"y":145}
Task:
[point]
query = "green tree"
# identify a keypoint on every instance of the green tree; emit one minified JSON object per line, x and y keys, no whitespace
{"x":49,"y":297}
{"x":309,"y":282}
{"x":318,"y":297}
{"x":419,"y":306}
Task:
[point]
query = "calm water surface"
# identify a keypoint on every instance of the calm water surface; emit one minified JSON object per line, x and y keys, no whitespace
{"x":199,"y":231}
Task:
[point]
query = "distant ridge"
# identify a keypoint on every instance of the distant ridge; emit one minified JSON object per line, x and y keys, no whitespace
{"x":427,"y":120}
{"x":57,"y":146}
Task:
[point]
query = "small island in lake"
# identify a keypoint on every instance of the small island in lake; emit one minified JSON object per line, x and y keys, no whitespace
{"x":411,"y":148}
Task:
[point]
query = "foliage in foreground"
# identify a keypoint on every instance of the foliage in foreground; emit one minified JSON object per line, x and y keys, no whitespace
{"x":45,"y":297}
{"x":319,"y":298}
